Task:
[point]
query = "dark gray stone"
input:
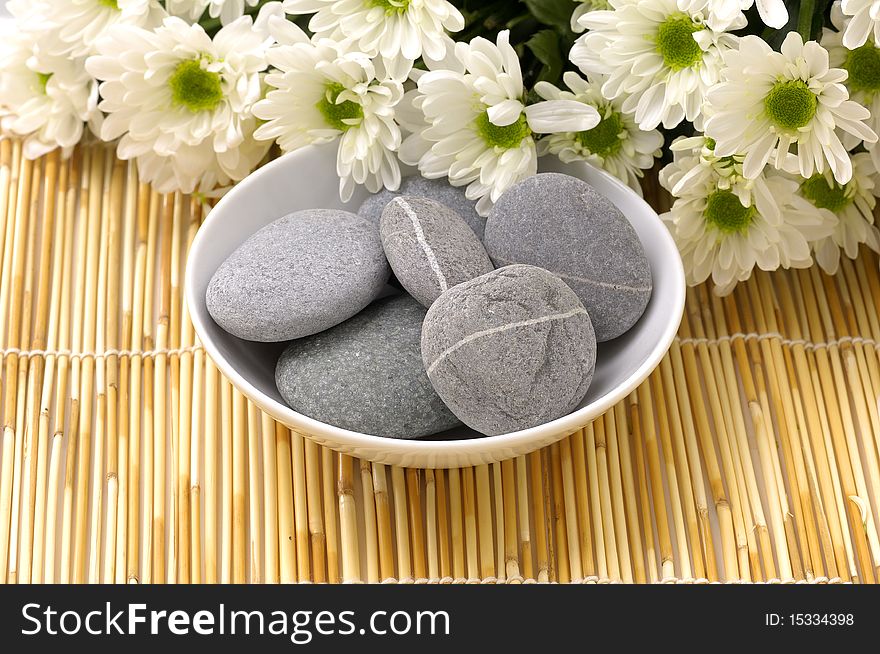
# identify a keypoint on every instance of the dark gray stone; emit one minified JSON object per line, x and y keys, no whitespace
{"x":439,"y":190}
{"x":430,"y":247}
{"x":366,"y":374}
{"x":299,"y":275}
{"x":509,"y":350}
{"x":563,"y":224}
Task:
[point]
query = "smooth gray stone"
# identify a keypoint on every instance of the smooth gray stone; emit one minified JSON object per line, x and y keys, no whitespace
{"x":299,"y":275}
{"x":563,"y":224}
{"x":509,"y":350}
{"x":439,"y":190}
{"x":372,"y":207}
{"x":366,"y":374}
{"x":430,"y":247}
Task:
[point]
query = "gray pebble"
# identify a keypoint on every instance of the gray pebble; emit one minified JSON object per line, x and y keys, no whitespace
{"x":439,"y":190}
{"x":563,"y":224}
{"x":366,"y":374}
{"x":299,"y":275}
{"x":509,"y":350}
{"x":430,"y":247}
{"x":372,"y":207}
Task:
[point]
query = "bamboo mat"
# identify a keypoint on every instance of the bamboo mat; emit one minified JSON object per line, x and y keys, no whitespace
{"x":751,"y":454}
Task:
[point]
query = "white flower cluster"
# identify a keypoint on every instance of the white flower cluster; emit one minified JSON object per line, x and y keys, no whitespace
{"x":782,"y":170}
{"x":198,"y":108}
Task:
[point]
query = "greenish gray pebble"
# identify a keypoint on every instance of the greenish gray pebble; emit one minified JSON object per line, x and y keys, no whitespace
{"x":366,"y":374}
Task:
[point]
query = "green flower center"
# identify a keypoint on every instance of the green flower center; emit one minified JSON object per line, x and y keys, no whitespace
{"x":390,"y":6}
{"x":833,"y":196}
{"x":676,"y":43}
{"x":790,"y":104}
{"x":42,"y":81}
{"x":727,"y":214}
{"x":507,"y":137}
{"x":195,"y":88}
{"x":863,"y":65}
{"x":604,"y":139}
{"x":340,"y":115}
{"x":113,"y":4}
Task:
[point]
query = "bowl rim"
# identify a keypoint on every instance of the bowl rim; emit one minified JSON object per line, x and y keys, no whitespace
{"x":562,"y":426}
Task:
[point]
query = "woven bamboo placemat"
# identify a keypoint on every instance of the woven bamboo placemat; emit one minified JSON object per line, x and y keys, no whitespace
{"x":751,"y":454}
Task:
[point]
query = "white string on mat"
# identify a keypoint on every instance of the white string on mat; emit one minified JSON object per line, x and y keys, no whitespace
{"x":788,"y":342}
{"x":70,"y":354}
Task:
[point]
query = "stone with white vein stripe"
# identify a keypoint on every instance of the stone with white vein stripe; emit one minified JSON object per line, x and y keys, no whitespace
{"x":509,"y":350}
{"x":563,"y":224}
{"x":430,"y":247}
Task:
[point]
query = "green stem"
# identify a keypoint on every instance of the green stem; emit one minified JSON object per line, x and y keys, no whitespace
{"x":805,"y":19}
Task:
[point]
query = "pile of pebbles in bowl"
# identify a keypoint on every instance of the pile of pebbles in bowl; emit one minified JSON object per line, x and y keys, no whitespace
{"x":492,"y":323}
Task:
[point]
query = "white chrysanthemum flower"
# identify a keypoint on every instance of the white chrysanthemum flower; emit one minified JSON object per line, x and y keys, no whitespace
{"x":615,"y":144}
{"x":661,"y":59}
{"x":79,"y":23}
{"x":321,"y":92}
{"x":177,"y":96}
{"x":400,"y":31}
{"x":863,"y":81}
{"x":226,"y":10}
{"x":721,"y":14}
{"x":720,"y":236}
{"x":852,"y":204}
{"x":770,"y":101}
{"x":864,"y":21}
{"x":476,"y":129}
{"x":45,"y":98}
{"x":584,"y":7}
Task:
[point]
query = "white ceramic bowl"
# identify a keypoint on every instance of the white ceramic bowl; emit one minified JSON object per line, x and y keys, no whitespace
{"x":307,"y":179}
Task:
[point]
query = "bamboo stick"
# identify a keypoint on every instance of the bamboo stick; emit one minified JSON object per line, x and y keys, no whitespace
{"x":347,"y":512}
{"x":401,"y":525}
{"x":300,"y":508}
{"x":24,"y":408}
{"x":484,"y":523}
{"x":286,"y":533}
{"x":371,"y":533}
{"x":317,"y":537}
{"x":255,"y":527}
{"x":270,"y":487}
{"x":414,"y":505}
{"x":11,"y":307}
{"x":443,"y":527}
{"x":212,"y":410}
{"x":383,"y":522}
{"x":332,"y":538}
{"x":36,"y":436}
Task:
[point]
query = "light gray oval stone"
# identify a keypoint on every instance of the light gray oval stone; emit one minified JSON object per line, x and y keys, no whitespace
{"x":366,"y":374}
{"x":439,"y":190}
{"x":563,"y":224}
{"x":509,"y":350}
{"x":430,"y":247}
{"x":299,"y":275}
